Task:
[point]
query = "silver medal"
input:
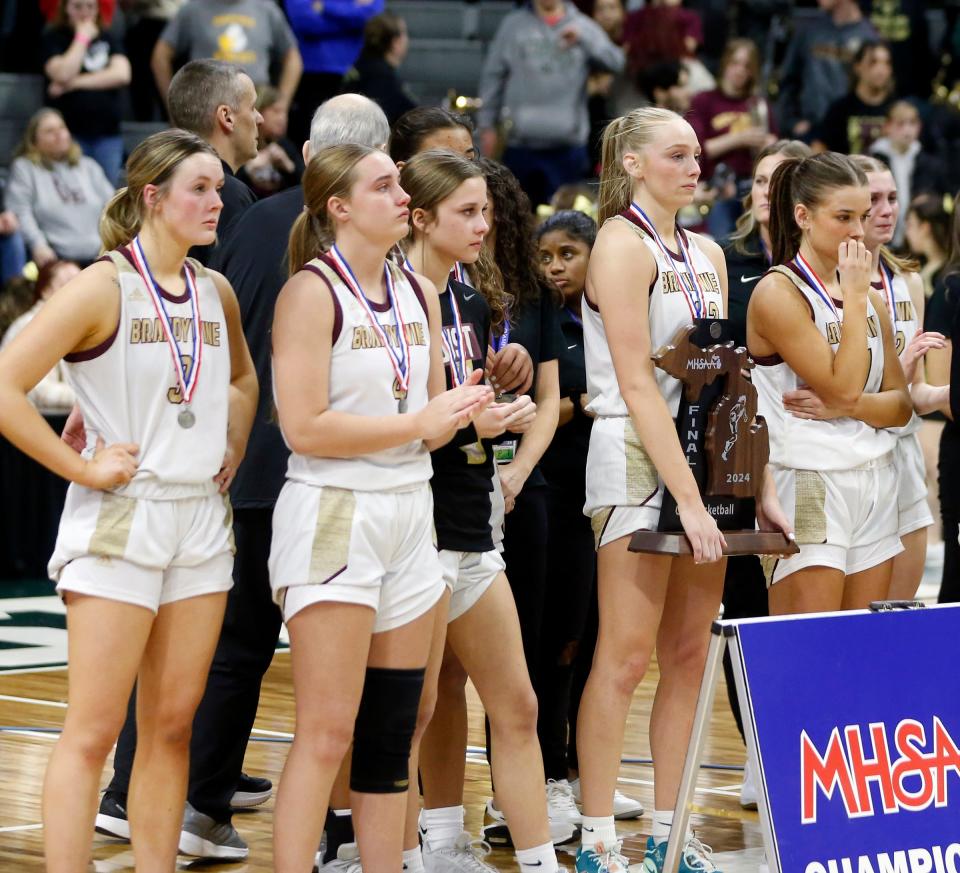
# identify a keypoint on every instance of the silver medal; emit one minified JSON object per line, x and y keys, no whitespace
{"x":186,"y":418}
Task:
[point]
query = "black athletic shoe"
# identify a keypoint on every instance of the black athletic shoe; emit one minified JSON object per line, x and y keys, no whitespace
{"x":112,"y":817}
{"x":251,"y":791}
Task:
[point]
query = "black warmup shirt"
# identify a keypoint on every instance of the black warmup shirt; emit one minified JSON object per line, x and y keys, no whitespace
{"x":236,"y":197}
{"x":461,"y":489}
{"x":92,"y":113}
{"x":743,"y":273}
{"x":565,"y":462}
{"x":536,"y":327}
{"x":254,"y":260}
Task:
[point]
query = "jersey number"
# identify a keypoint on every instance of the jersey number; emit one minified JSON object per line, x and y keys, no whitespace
{"x":174,"y":395}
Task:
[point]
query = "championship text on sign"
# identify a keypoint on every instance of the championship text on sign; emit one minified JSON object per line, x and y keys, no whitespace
{"x":856,"y":718}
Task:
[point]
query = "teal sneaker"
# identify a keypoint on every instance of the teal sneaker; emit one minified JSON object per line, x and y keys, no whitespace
{"x":600,"y":860}
{"x":695,"y":857}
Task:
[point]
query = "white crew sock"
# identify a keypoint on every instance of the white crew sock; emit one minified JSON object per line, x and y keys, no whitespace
{"x":413,"y":860}
{"x":440,"y":827}
{"x":662,"y":822}
{"x":598,"y":830}
{"x":544,"y":858}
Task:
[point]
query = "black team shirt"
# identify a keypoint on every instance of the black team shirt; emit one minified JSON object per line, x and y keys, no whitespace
{"x":461,"y":486}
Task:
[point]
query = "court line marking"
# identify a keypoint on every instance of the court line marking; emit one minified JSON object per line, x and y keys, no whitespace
{"x":33,"y":700}
{"x":12,"y":828}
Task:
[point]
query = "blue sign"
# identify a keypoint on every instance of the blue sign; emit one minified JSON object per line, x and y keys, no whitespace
{"x":856,"y":721}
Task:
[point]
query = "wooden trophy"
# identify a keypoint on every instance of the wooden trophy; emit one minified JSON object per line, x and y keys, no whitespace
{"x":724,"y":440}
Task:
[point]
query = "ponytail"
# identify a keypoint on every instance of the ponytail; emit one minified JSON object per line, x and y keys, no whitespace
{"x":121,"y":220}
{"x":784,"y":233}
{"x":614,"y":193}
{"x":806,"y":181}
{"x":308,"y":240}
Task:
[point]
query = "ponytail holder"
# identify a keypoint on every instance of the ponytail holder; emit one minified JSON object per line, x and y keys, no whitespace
{"x":30,"y":271}
{"x":948,"y":204}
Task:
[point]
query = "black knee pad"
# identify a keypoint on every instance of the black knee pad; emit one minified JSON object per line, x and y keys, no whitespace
{"x":383,"y":730}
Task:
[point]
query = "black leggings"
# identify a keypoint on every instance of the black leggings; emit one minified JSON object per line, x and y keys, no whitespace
{"x":949,"y":479}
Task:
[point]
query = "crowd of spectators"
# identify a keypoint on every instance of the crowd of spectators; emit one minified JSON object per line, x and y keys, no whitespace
{"x":865,"y":77}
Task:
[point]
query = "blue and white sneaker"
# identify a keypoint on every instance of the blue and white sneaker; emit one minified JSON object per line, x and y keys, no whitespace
{"x":695,"y":857}
{"x":601,"y":859}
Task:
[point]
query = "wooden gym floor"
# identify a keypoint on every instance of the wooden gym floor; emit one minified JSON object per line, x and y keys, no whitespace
{"x":33,"y":701}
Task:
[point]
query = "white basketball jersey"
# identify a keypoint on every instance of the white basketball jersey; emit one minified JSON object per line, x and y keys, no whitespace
{"x":128,"y":392}
{"x":362,"y":382}
{"x":906,"y":323}
{"x":838,"y":444}
{"x":668,"y":312}
{"x":619,"y":470}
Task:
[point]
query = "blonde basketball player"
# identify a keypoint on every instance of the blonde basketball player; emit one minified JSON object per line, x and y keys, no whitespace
{"x":153,"y":346}
{"x":836,"y":476}
{"x":647,"y":278}
{"x":897,"y":281}
{"x":359,"y":386}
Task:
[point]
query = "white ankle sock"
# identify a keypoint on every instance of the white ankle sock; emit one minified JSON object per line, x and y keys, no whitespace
{"x":412,"y":860}
{"x":662,"y":822}
{"x":544,"y":858}
{"x":440,"y":827}
{"x":596,"y":830}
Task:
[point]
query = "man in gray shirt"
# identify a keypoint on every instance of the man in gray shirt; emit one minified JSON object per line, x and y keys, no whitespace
{"x":252,"y":34}
{"x":534,"y":84}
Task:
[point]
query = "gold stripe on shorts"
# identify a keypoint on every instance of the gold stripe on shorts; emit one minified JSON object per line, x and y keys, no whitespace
{"x":641,"y":475}
{"x":331,"y":538}
{"x":598,"y":521}
{"x":810,"y":518}
{"x":768,"y":563}
{"x":114,"y":521}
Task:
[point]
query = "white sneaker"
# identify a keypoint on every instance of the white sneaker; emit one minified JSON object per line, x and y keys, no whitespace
{"x":699,"y":856}
{"x":748,"y":791}
{"x":347,"y":860}
{"x":623,"y":807}
{"x":464,"y":856}
{"x":496,"y":832}
{"x":560,"y":803}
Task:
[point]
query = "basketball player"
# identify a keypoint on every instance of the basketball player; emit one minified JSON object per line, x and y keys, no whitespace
{"x":897,"y":281}
{"x":358,"y":378}
{"x":836,"y":471}
{"x":647,"y":278}
{"x":154,"y":349}
{"x":448,"y":201}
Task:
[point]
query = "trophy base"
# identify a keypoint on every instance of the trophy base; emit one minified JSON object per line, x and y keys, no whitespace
{"x":739,"y":542}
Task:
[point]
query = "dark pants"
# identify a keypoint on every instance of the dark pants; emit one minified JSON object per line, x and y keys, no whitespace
{"x":744,"y":596}
{"x":226,"y":713}
{"x":145,"y":100}
{"x":525,"y":554}
{"x":571,"y":574}
{"x":541,"y":171}
{"x":949,"y":479}
{"x":314,"y":89}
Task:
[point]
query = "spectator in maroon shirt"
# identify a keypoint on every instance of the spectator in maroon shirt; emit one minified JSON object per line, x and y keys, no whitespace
{"x":733,"y":122}
{"x":661,"y":31}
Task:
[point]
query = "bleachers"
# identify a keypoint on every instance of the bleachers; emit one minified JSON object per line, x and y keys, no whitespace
{"x":20,"y":96}
{"x":433,"y":66}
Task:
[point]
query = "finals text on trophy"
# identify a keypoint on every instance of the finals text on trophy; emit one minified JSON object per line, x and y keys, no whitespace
{"x":724,"y":440}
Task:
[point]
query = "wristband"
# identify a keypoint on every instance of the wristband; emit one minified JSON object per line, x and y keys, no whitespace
{"x":82,"y":39}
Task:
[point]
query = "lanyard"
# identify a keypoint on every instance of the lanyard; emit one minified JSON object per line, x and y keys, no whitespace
{"x":688,"y":280}
{"x":765,"y":250}
{"x":574,"y":316}
{"x":813,"y":280}
{"x":886,"y":278}
{"x":456,"y":273}
{"x":458,"y":362}
{"x":187,"y":381}
{"x":399,"y":357}
{"x":500,"y":341}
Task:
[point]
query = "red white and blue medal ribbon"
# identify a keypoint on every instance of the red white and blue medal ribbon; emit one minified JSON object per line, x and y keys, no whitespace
{"x":688,"y":280}
{"x":400,"y":356}
{"x":456,"y":273}
{"x":498,"y":342}
{"x":187,"y":381}
{"x":813,"y":280}
{"x":886,"y":279}
{"x":458,"y":361}
{"x":576,"y":318}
